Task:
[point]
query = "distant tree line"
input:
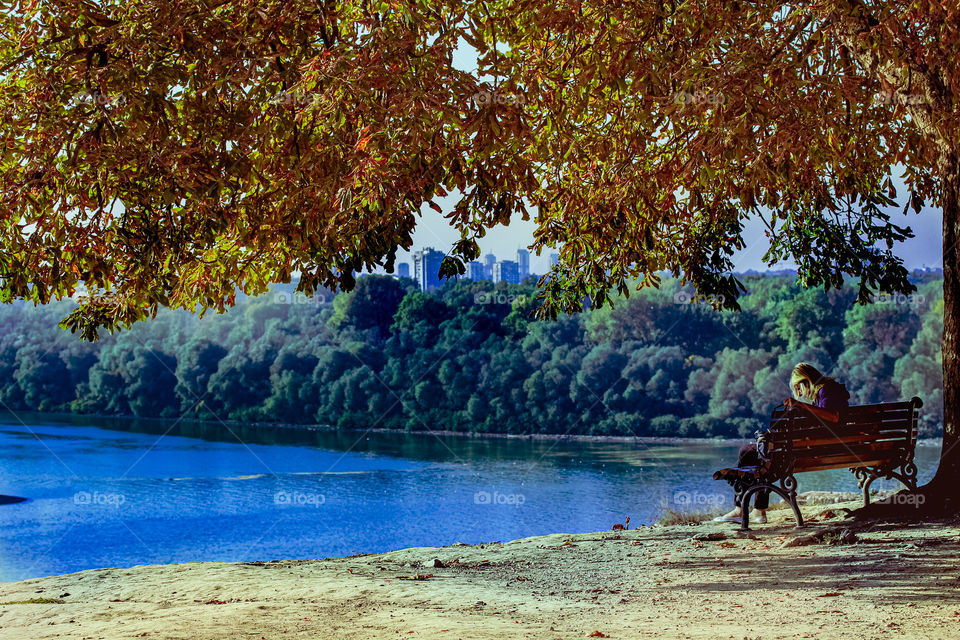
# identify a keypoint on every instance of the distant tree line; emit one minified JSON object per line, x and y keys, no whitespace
{"x":469,"y":358}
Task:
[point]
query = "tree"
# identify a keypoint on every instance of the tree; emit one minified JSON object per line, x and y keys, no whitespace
{"x":918,"y":373}
{"x":44,"y":379}
{"x":553,"y":374}
{"x":198,"y":361}
{"x":150,"y":384}
{"x":599,"y":380}
{"x":733,"y":389}
{"x":161,"y":155}
{"x":875,"y":338}
{"x":369,"y":307}
{"x":814,"y":316}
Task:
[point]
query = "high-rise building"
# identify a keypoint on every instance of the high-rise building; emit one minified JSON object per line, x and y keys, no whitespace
{"x":403,"y":269}
{"x":554,"y":259}
{"x":523,"y":263}
{"x":426,"y":267}
{"x":474,"y":270}
{"x":506,"y":271}
{"x":488,"y":261}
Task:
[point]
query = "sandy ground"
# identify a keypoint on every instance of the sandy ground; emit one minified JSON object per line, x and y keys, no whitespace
{"x":892,"y":580}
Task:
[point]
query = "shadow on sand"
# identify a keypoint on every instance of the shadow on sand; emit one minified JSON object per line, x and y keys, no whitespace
{"x":888,"y":557}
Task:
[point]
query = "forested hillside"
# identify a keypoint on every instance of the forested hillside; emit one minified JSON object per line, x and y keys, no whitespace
{"x":468,"y":358}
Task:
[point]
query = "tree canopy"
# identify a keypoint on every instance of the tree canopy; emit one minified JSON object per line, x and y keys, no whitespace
{"x":169,"y":153}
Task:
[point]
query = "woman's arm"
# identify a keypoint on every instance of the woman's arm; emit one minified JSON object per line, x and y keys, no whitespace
{"x":823,"y":414}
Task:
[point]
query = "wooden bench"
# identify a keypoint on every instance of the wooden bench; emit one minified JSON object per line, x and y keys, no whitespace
{"x":872,"y":440}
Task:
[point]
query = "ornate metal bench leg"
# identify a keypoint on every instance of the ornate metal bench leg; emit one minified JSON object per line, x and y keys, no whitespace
{"x":909,"y":475}
{"x":865,"y":478}
{"x":741,"y":488}
{"x":745,"y":506}
{"x":866,"y":475}
{"x":787,"y":491}
{"x":789,"y":494}
{"x":796,"y":511}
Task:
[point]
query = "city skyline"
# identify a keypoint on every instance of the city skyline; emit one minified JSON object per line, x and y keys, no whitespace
{"x":426,"y":266}
{"x":925,"y":250}
{"x":922,"y":251}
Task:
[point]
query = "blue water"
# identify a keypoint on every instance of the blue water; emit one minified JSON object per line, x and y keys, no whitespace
{"x":160,"y":492}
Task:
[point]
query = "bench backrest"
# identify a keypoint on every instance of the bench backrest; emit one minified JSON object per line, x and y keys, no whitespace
{"x":866,"y":436}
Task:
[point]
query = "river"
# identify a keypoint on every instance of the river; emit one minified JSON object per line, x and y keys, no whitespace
{"x":149,"y":492}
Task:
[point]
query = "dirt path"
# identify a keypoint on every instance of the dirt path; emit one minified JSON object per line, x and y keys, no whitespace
{"x":893,"y":581}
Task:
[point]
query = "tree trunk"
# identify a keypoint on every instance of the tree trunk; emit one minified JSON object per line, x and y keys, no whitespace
{"x":944,"y":490}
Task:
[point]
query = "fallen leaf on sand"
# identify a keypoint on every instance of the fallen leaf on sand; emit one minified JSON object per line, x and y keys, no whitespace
{"x":801,"y":541}
{"x":597,"y":634}
{"x":830,"y":595}
{"x":215,"y":602}
{"x":715,"y":535}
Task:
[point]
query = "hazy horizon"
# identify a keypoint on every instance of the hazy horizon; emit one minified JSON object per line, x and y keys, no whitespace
{"x":922,"y":251}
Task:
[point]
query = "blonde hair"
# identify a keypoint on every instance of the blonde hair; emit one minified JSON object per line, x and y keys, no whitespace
{"x":806,"y":372}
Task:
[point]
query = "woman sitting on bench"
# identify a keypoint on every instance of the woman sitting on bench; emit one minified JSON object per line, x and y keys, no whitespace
{"x":814,"y":392}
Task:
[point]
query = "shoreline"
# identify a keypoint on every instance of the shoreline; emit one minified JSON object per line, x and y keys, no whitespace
{"x":547,"y":437}
{"x":533,"y":437}
{"x":700,"y":581}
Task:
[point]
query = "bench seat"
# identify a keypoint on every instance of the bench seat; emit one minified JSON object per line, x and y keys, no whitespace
{"x":735,"y":472}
